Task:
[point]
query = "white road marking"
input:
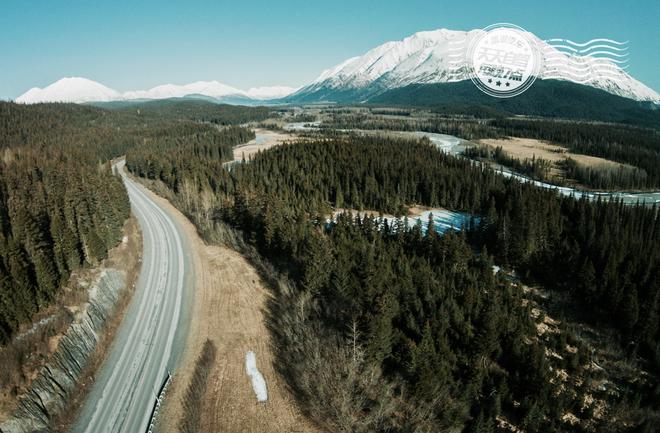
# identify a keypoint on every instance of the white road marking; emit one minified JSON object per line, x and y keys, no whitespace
{"x":122,"y":397}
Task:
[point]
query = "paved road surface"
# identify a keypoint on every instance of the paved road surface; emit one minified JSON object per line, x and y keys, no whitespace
{"x":152,"y":334}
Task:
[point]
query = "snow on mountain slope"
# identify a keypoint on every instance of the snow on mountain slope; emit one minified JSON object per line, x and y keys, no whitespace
{"x":595,"y":72}
{"x":73,"y":89}
{"x":440,"y":56}
{"x":213,"y":89}
{"x":270,"y":92}
{"x":414,"y":59}
{"x":437,"y":56}
{"x":84,"y":90}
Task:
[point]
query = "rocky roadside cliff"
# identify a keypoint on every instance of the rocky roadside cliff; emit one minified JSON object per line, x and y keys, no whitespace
{"x":50,"y":390}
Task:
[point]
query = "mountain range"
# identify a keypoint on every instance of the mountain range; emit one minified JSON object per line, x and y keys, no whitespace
{"x":81,"y":90}
{"x":424,"y":58}
{"x":440,"y":56}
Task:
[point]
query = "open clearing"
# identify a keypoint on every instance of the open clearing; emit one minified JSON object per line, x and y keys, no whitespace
{"x":265,"y":140}
{"x":523,"y":148}
{"x":229,"y":305}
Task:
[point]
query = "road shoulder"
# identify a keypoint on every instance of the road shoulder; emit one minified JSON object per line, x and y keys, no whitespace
{"x":229,"y":303}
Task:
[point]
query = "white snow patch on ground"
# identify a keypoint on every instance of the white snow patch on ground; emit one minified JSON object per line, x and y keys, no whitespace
{"x":36,"y":326}
{"x":443,"y":220}
{"x":258,"y":381}
{"x":302,"y":126}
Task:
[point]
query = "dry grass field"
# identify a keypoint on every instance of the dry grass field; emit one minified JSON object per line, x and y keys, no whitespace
{"x":268,"y":139}
{"x":523,"y":148}
{"x":230,"y":299}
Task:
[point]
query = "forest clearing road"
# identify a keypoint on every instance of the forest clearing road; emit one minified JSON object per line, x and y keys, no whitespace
{"x":152,"y":335}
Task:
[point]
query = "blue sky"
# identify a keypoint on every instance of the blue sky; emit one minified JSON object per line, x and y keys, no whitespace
{"x":130,"y":45}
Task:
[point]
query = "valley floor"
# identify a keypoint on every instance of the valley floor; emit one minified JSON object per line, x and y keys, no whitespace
{"x":230,"y":301}
{"x":528,"y":148}
{"x":265,"y":139}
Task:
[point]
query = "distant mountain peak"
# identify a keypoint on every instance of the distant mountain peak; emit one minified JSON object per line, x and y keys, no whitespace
{"x":70,"y":89}
{"x":80,"y":90}
{"x":440,"y":56}
{"x":270,"y":92}
{"x":425,"y":57}
{"x":213,"y":89}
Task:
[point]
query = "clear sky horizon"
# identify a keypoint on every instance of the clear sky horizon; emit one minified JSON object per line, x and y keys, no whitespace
{"x":130,"y":45}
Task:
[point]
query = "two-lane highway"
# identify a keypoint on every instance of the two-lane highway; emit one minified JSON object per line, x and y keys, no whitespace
{"x":153,"y":331}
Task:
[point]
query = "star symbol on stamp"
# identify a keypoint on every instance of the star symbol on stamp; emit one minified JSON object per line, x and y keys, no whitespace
{"x":499,"y":83}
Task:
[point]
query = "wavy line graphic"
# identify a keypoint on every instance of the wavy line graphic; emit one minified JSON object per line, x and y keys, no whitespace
{"x":554,"y":52}
{"x":596,"y":53}
{"x":579,"y":60}
{"x":589,"y":51}
{"x":593,"y":66}
{"x":586,"y":70}
{"x":570,"y":42}
{"x":548,"y":45}
{"x":580,"y":65}
{"x":578,"y":80}
{"x":554,"y":74}
{"x":592,"y":47}
{"x":583,"y":76}
{"x":600,"y":67}
{"x":582,"y":61}
{"x":569,"y":51}
{"x":565,"y":72}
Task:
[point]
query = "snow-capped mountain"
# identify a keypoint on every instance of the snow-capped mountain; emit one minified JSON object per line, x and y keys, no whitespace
{"x":429,"y":57}
{"x":270,"y":92}
{"x":212,"y":89}
{"x":79,"y":90}
{"x":440,"y":56}
{"x":73,"y":89}
{"x":425,"y":57}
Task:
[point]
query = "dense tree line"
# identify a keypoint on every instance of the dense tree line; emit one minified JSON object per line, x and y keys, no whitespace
{"x":546,"y":98}
{"x":199,"y":111}
{"x":605,"y":177}
{"x":426,"y":309}
{"x":461,"y":127}
{"x":535,"y":168}
{"x":61,"y":207}
{"x":637,"y":147}
{"x":199,"y":155}
{"x":526,"y":227}
{"x":569,"y":171}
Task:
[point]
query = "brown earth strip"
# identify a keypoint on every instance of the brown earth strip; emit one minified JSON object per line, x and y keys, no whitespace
{"x":229,"y":304}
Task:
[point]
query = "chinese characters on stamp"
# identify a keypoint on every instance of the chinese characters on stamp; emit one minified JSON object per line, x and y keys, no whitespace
{"x":504,"y":60}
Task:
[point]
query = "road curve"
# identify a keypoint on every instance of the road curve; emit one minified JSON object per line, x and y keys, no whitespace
{"x":152,"y":334}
